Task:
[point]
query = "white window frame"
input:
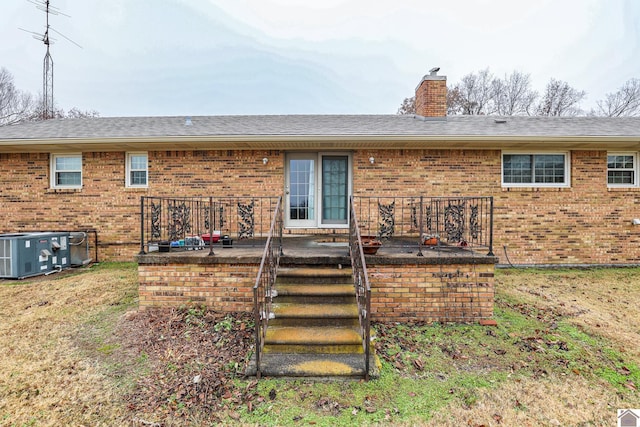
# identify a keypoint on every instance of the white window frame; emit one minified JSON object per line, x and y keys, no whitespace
{"x":634,"y":170}
{"x":53,"y":171}
{"x":129,"y":169}
{"x":567,"y":170}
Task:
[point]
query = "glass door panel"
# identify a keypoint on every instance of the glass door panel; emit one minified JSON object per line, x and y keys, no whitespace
{"x":335,"y":189}
{"x":301,"y":192}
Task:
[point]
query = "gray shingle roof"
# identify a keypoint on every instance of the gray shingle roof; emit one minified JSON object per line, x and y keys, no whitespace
{"x":321,"y":126}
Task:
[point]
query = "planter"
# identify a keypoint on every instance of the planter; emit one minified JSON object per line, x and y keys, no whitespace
{"x":370,"y":245}
{"x":430,"y":240}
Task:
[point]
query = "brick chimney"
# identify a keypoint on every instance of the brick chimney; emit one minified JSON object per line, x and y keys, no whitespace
{"x":431,"y":95}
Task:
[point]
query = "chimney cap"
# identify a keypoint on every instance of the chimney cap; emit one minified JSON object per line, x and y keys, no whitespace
{"x":434,"y":71}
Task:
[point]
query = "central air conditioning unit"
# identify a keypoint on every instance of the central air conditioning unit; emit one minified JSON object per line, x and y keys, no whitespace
{"x":30,"y":254}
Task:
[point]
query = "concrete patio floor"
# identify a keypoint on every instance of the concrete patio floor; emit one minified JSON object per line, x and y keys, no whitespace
{"x":322,"y":248}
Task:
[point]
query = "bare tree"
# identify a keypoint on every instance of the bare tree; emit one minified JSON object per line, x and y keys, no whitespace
{"x":560,"y":99}
{"x":15,"y":105}
{"x":483,"y":93}
{"x":474,"y":94}
{"x":623,"y":103}
{"x":408,"y":106}
{"x":76,"y":113}
{"x":513,"y":95}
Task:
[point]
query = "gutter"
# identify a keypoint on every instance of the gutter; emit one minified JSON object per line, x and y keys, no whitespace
{"x":258,"y":142}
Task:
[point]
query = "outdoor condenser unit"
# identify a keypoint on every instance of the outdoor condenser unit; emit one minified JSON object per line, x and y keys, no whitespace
{"x":79,"y":248}
{"x":29,"y":254}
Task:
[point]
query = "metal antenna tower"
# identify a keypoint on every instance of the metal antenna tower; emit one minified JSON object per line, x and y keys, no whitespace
{"x":47,"y":72}
{"x":47,"y":66}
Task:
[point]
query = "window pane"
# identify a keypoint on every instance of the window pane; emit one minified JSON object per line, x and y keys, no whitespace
{"x":68,"y":163}
{"x":138,"y":162}
{"x":621,"y":169}
{"x":620,"y":177}
{"x":138,"y":178}
{"x":68,"y":178}
{"x":549,"y":168}
{"x":302,"y":191}
{"x":334,"y":189}
{"x":620,"y":162}
{"x":517,"y":168}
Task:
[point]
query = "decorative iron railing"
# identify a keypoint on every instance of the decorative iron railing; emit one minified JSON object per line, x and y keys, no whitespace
{"x":264,"y":290}
{"x":361,"y":283}
{"x":463,"y":222}
{"x":191,"y":221}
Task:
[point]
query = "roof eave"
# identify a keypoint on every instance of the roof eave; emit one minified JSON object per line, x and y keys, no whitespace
{"x":285,"y":142}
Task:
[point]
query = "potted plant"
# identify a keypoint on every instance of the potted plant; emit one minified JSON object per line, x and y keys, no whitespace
{"x":430,"y":239}
{"x":370,"y":244}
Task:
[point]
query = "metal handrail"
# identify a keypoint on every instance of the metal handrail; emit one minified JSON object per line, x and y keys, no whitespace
{"x":193,"y":221}
{"x":462,"y":221}
{"x":263,"y":290}
{"x":361,"y":283}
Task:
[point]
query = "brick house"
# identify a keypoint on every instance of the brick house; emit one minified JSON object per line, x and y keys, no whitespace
{"x":525,"y":190}
{"x":565,"y":188}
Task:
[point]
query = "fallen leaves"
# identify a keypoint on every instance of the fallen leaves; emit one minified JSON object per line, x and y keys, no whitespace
{"x":193,"y":361}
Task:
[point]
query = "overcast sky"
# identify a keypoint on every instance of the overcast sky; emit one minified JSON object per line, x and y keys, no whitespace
{"x":194,"y":57}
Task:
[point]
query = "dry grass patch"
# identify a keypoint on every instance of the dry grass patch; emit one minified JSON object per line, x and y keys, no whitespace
{"x":45,"y":379}
{"x":553,"y":401}
{"x":605,"y":302}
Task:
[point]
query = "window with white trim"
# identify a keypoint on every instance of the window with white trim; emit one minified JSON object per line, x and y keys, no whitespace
{"x":535,"y":169}
{"x":621,"y":169}
{"x":137,"y":170}
{"x":66,"y":171}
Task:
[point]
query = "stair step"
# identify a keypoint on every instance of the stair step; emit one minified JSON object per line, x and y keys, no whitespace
{"x":320,"y":290}
{"x":314,"y":365}
{"x":297,"y":339}
{"x":312,"y":311}
{"x":314,"y":272}
{"x":308,"y":275}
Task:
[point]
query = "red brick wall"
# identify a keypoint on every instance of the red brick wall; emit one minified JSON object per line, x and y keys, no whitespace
{"x":27,"y":203}
{"x":408,"y":292}
{"x":431,"y":97}
{"x":431,"y":293}
{"x":587,"y":223}
{"x":224,"y":287}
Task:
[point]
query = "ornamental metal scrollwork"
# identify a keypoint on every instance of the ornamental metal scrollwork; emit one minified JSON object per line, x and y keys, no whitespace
{"x":206,"y":212}
{"x":474,"y":226}
{"x":156,"y":220}
{"x":429,"y":220}
{"x":387,"y":219}
{"x":454,"y":222}
{"x":221,"y":221}
{"x":246,"y":220}
{"x":414,"y":214}
{"x":179,"y":220}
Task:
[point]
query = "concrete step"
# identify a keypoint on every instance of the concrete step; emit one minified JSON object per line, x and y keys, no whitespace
{"x":314,"y":314}
{"x":316,"y":340}
{"x":316,"y":293}
{"x":348,"y":366}
{"x":310,"y":275}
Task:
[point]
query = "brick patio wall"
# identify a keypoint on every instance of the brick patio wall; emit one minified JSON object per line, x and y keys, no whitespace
{"x":586,"y":223}
{"x":224,"y":287}
{"x":432,"y":293}
{"x":402,"y":293}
